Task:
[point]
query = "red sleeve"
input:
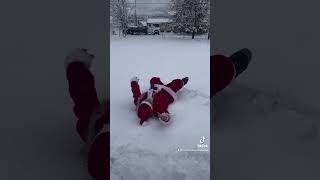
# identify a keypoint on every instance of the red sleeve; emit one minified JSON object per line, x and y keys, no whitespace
{"x":83,"y":93}
{"x":135,"y":88}
{"x":221,"y":73}
{"x":175,"y":85}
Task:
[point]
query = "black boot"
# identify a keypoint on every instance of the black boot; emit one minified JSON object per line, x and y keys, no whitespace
{"x":241,"y":60}
{"x":185,"y":80}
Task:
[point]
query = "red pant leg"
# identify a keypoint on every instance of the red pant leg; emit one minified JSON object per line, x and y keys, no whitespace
{"x":175,"y":85}
{"x":221,"y":73}
{"x":83,"y":93}
{"x":144,"y":112}
{"x":135,"y":89}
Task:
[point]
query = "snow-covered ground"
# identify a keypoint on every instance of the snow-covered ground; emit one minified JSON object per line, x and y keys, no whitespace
{"x":262,"y":135}
{"x":267,"y":122}
{"x":151,"y":152}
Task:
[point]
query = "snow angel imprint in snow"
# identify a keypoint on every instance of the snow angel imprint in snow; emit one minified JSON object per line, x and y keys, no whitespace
{"x":156,"y":100}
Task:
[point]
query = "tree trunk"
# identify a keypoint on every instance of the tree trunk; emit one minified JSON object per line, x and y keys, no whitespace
{"x":195,"y":22}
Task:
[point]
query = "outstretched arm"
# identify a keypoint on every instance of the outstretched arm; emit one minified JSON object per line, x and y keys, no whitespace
{"x":81,"y":87}
{"x":135,"y":88}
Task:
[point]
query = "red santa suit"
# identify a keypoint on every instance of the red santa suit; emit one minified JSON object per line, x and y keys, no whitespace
{"x":224,"y":69}
{"x":222,"y":72}
{"x":156,"y":100}
{"x":86,"y":105}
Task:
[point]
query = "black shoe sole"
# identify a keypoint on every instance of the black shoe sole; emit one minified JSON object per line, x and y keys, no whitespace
{"x":241,"y":59}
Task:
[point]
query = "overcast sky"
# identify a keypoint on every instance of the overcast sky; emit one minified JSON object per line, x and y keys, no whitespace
{"x":150,"y":9}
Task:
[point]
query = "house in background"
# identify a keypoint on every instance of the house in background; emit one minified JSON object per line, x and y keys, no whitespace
{"x":163,"y":24}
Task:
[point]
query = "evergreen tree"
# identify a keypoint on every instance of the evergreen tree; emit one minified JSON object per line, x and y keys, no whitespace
{"x":191,"y":16}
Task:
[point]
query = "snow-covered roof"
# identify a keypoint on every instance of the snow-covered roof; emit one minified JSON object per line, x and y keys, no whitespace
{"x":159,"y":20}
{"x":171,"y":13}
{"x":144,"y":23}
{"x":132,"y":26}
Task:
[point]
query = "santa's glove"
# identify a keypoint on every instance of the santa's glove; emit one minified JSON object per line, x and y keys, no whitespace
{"x":134,"y":79}
{"x":79,"y":55}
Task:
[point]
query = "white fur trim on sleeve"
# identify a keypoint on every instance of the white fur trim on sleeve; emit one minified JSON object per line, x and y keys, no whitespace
{"x":134,"y":79}
{"x":147,"y":103}
{"x":169,"y":90}
{"x":79,"y":55}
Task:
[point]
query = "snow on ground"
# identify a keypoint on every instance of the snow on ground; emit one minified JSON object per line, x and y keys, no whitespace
{"x":150,"y":152}
{"x":263,"y":135}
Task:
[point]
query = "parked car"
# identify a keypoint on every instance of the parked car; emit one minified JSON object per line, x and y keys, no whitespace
{"x":143,"y":28}
{"x":137,"y":30}
{"x":153,"y":28}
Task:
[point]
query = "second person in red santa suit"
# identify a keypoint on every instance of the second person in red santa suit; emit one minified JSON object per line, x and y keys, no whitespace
{"x":156,"y":100}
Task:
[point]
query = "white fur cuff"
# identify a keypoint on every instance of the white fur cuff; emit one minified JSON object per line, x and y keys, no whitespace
{"x":134,"y":79}
{"x":147,"y":103}
{"x":169,"y":90}
{"x":79,"y":55}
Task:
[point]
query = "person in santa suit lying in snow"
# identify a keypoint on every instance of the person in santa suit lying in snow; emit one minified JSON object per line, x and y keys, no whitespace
{"x":224,"y":69}
{"x":93,"y":116}
{"x":157,"y":99}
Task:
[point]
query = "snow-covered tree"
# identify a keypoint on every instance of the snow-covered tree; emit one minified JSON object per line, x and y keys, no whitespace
{"x":191,"y":16}
{"x":119,"y":11}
